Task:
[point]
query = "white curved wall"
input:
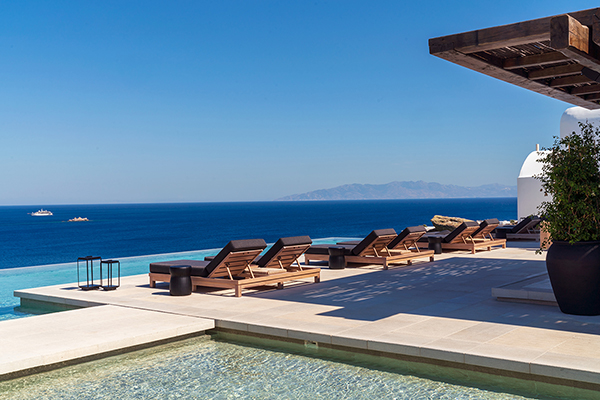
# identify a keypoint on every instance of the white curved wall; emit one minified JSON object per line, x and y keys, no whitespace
{"x":529,"y":194}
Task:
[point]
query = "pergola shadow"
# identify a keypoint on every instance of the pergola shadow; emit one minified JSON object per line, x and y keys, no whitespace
{"x":458,"y":287}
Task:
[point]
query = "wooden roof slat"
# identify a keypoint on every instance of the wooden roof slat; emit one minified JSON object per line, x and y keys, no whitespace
{"x":588,"y":89}
{"x":592,"y":97}
{"x":499,"y":73}
{"x":569,"y":81}
{"x":534,"y":61}
{"x":551,"y":72}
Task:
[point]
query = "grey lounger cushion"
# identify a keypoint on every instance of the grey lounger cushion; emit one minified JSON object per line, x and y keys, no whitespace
{"x":198,"y":267}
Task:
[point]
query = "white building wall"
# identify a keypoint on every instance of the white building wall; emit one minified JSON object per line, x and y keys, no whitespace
{"x":529,"y":194}
{"x":529,"y":189}
{"x":569,"y":122}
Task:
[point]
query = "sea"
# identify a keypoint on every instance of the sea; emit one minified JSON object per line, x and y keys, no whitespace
{"x":126,"y":230}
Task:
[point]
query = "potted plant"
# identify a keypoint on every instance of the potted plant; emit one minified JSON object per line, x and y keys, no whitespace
{"x":571,"y":176}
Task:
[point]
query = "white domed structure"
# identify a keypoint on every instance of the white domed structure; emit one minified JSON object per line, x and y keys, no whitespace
{"x":529,"y":189}
{"x":569,"y":122}
{"x":529,"y":194}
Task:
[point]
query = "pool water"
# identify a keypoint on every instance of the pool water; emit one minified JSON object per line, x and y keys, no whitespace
{"x":202,"y":368}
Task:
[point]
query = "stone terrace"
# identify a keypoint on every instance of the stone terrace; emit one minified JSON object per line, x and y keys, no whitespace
{"x":439,"y":312}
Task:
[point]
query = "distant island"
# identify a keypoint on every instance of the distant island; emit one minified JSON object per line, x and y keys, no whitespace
{"x":404,"y":190}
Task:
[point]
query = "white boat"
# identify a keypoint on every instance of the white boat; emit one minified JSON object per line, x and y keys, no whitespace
{"x":41,"y":213}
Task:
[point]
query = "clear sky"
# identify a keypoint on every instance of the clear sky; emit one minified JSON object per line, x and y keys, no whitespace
{"x":185,"y":101}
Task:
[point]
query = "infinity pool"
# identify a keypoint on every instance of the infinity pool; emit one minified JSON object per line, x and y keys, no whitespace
{"x":202,"y":368}
{"x":30,"y":277}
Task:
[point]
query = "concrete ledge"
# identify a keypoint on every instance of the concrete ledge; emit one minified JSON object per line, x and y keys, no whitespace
{"x":44,"y":342}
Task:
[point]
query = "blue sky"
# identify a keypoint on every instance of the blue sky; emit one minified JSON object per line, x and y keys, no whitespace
{"x":185,"y":101}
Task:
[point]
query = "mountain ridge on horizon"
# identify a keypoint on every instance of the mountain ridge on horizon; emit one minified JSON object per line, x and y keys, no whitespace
{"x":398,"y":190}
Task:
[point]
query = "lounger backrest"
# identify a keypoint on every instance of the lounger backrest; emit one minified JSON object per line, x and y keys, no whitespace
{"x":462,"y":232}
{"x":236,"y":255}
{"x":374,"y":243}
{"x":407,"y":238}
{"x":485,"y":228}
{"x":529,"y":228}
{"x":285,"y":250}
{"x":524,"y":222}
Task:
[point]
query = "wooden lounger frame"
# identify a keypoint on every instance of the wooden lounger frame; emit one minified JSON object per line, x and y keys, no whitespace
{"x":285,"y":257}
{"x":377,"y":253}
{"x":410,"y":241}
{"x":486,"y":233}
{"x":235,"y":272}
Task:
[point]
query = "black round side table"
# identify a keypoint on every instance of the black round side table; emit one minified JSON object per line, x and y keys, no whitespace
{"x":181,"y":280}
{"x":435,"y":244}
{"x":336,"y":257}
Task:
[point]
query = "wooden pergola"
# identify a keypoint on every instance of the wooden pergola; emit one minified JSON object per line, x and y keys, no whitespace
{"x":556,"y":56}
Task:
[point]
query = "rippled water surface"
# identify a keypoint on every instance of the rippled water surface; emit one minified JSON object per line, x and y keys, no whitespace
{"x":208,"y":369}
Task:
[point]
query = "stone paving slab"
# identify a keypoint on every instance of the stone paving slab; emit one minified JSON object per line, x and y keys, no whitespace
{"x":441,"y":311}
{"x":533,"y":289}
{"x":35,"y":342}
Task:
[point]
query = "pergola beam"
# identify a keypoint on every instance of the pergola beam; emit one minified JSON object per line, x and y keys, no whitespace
{"x":536,"y":30}
{"x":554,"y":56}
{"x":571,"y":38}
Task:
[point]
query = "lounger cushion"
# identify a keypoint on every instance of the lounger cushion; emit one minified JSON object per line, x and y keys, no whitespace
{"x":457,"y":231}
{"x":407,"y":231}
{"x":324,"y":249}
{"x":371,"y":237}
{"x":485,"y":223}
{"x":198,"y":267}
{"x":280,"y":244}
{"x":234,"y":246}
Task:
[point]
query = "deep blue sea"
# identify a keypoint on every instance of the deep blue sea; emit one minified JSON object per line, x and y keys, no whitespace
{"x":124,"y":230}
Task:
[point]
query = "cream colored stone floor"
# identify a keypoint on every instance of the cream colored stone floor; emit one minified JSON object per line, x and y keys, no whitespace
{"x":440,"y":311}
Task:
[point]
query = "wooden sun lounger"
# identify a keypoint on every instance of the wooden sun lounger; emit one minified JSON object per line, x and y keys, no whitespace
{"x":371,"y":250}
{"x":462,"y":238}
{"x":529,"y":231}
{"x":232,"y":270}
{"x":284,"y":253}
{"x":486,"y":227}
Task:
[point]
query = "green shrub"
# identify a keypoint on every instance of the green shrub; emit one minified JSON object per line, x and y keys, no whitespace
{"x":571,"y":175}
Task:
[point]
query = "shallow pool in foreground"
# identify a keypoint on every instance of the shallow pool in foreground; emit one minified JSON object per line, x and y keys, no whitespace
{"x":203,"y":368}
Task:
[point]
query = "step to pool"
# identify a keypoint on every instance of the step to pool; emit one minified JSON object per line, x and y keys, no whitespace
{"x":535,"y":289}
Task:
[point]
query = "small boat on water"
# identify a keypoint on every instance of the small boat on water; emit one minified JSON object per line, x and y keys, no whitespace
{"x":41,"y":213}
{"x":78,"y":219}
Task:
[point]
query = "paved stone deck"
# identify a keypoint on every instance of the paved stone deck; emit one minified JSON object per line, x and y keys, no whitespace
{"x":440,"y":312}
